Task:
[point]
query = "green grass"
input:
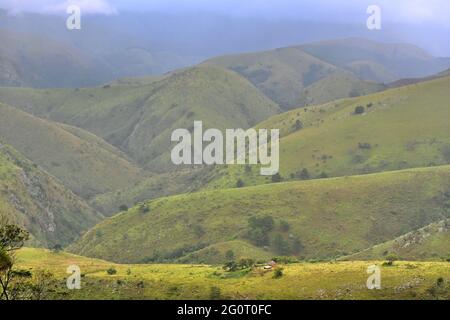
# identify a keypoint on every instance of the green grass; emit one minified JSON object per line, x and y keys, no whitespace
{"x":431,"y":243}
{"x":331,"y":217}
{"x":405,"y":127}
{"x":139,"y":118}
{"x":34,"y":199}
{"x":83,"y":162}
{"x":334,"y":280}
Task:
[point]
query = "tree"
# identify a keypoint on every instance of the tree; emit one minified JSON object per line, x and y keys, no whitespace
{"x":229,"y":255}
{"x":298,"y":125}
{"x":284,"y":226}
{"x":12,"y":238}
{"x":280,"y":245}
{"x":360,"y":110}
{"x":304,"y":174}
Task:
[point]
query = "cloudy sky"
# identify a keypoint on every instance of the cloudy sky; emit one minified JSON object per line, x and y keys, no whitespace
{"x":410,"y":11}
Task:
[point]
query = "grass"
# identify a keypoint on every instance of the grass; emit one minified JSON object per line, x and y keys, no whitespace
{"x":83,"y":162}
{"x":31,"y":197}
{"x":401,"y":128}
{"x":139,"y":118}
{"x":431,"y":243}
{"x":333,"y":280}
{"x":331,"y":217}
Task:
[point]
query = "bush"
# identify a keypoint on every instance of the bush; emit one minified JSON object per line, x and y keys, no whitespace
{"x":123,"y":208}
{"x":284,"y":226}
{"x":111,"y":271}
{"x":229,"y":255}
{"x":280,"y":245}
{"x":298,"y":125}
{"x":239,"y":183}
{"x":304,"y":174}
{"x":278,"y":273}
{"x":360,"y":110}
{"x":391,"y":258}
{"x":277,"y":178}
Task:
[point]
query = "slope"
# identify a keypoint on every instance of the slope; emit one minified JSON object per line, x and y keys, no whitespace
{"x":319,"y":219}
{"x":139,"y":119}
{"x":400,"y":128}
{"x":34,"y":199}
{"x":431,"y":243}
{"x":292,"y":78}
{"x":83,"y":162}
{"x":375,"y":61}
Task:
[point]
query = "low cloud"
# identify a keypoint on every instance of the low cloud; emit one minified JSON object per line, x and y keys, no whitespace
{"x":57,"y":6}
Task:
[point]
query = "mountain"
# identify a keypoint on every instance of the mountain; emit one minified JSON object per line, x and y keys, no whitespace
{"x":410,"y":81}
{"x":38,"y":61}
{"x":139,"y":119}
{"x":293,"y":78}
{"x":34,"y":199}
{"x":430,"y":243}
{"x":83,"y":162}
{"x":375,"y":61}
{"x":400,"y":128}
{"x":320,"y":219}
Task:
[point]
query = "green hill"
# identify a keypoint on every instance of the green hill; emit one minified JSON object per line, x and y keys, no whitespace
{"x":400,"y":128}
{"x":82,"y":161}
{"x":430,"y":243}
{"x":139,"y":119}
{"x":319,"y":219}
{"x":292,"y":78}
{"x":34,"y":199}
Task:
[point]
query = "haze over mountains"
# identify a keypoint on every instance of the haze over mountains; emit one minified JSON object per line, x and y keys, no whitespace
{"x":103,"y":144}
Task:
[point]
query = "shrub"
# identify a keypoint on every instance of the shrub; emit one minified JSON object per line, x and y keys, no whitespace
{"x":278,"y":273}
{"x":239,"y":183}
{"x":277,"y":178}
{"x":298,"y":125}
{"x":123,"y":208}
{"x":304,"y":174}
{"x":284,"y":226}
{"x":364,"y":145}
{"x":390,"y":259}
{"x":111,"y":271}
{"x":360,"y":110}
{"x":280,"y":245}
{"x":229,"y":255}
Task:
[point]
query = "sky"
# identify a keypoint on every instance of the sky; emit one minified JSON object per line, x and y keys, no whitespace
{"x":406,"y":11}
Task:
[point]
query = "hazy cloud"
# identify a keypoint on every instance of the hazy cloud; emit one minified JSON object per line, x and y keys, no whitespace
{"x":409,"y":11}
{"x":57,"y":6}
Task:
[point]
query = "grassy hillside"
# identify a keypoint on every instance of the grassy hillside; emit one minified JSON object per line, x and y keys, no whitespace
{"x":156,"y":186}
{"x":39,"y":202}
{"x":139,"y":119}
{"x":314,"y":219}
{"x":400,"y":128}
{"x":294,"y":78}
{"x":83,"y":162}
{"x":379,"y":62}
{"x":431,"y":243}
{"x":342,"y":280}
